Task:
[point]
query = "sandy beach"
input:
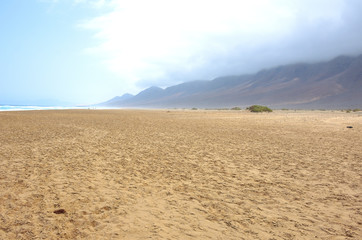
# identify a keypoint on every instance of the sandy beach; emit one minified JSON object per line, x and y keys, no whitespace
{"x":177,"y":174}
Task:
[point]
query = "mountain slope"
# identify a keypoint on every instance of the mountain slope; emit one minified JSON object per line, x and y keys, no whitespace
{"x":333,"y":84}
{"x":117,"y":99}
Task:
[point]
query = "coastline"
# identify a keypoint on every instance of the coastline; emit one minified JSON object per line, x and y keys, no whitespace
{"x":4,"y":108}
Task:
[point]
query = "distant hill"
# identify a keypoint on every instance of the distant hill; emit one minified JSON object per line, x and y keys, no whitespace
{"x":330,"y":85}
{"x":117,"y":99}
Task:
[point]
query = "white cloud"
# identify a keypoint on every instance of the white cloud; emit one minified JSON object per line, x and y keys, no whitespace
{"x":150,"y":39}
{"x":93,"y":3}
{"x":163,"y":41}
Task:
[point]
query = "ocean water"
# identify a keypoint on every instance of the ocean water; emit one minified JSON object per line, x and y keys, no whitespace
{"x":25,"y":108}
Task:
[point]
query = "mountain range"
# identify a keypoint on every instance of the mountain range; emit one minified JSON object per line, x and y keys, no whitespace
{"x":330,"y":85}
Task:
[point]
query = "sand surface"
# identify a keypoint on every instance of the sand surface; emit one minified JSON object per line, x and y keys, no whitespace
{"x":137,"y":174}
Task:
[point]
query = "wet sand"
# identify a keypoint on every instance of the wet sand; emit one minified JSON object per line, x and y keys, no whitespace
{"x":173,"y":174}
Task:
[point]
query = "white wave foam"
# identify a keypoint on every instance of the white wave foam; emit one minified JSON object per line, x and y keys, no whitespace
{"x":29,"y":108}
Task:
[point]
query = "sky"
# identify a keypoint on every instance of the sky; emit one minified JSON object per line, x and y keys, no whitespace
{"x":55,"y":52}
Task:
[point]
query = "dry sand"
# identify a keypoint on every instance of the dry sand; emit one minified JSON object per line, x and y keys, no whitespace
{"x":127,"y":174}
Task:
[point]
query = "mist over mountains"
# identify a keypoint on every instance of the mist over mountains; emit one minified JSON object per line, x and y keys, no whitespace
{"x":329,"y":85}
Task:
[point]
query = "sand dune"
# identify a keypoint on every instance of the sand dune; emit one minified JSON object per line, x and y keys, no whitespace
{"x":127,"y":174}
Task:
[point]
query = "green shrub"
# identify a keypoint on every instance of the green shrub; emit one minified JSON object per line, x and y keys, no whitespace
{"x":356,"y":110}
{"x":258,"y":108}
{"x":194,"y":108}
{"x":235,"y":108}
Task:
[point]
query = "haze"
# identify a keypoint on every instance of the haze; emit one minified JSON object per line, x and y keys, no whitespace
{"x":84,"y":51}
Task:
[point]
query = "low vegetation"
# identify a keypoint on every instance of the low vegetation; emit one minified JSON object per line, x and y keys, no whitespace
{"x":235,"y":108}
{"x":258,"y":108}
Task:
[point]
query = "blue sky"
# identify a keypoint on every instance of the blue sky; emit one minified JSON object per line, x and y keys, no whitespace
{"x":43,"y":57}
{"x":88,"y":51}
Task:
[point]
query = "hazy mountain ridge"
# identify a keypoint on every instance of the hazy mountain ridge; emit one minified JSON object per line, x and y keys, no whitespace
{"x":333,"y":84}
{"x":118,"y":99}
